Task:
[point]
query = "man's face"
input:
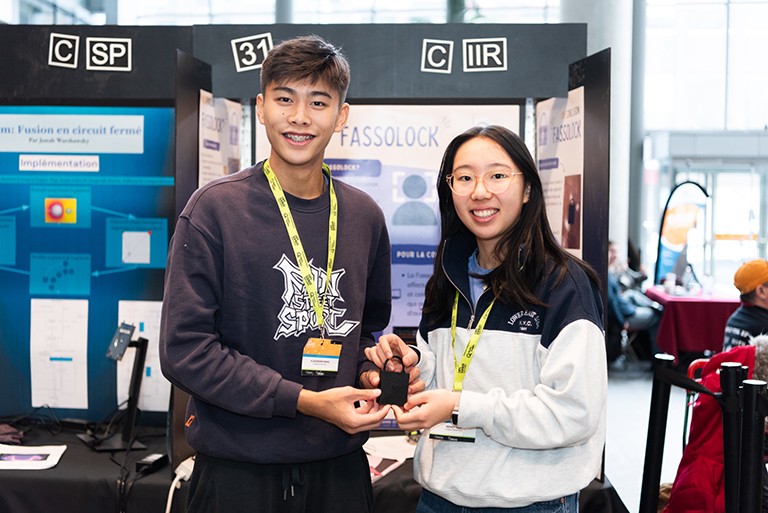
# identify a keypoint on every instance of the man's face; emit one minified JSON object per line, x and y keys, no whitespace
{"x":613,"y":254}
{"x":300,"y":118}
{"x":761,"y":295}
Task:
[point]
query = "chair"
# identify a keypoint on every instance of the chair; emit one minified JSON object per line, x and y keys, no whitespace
{"x":694,"y":373}
{"x":628,"y":338}
{"x":620,"y":342}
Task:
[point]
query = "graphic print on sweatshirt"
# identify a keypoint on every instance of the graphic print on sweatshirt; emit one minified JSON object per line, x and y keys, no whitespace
{"x":297,"y":315}
{"x":526,"y":321}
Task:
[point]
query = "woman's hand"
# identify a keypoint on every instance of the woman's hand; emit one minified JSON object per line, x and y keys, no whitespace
{"x":427,"y":409}
{"x":391,"y":345}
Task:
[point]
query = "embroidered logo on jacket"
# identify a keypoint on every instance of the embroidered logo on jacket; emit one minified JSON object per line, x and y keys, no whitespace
{"x":297,"y":315}
{"x":526,"y":321}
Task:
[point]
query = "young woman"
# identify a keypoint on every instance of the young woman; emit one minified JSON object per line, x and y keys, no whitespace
{"x":510,"y":344}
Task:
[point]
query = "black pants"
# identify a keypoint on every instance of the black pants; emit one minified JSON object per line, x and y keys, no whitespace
{"x":337,"y":485}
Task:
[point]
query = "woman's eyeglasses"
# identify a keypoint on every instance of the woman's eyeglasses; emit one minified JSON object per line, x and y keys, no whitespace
{"x":463,"y":184}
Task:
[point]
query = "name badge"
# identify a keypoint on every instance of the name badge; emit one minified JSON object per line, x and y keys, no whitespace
{"x":321,"y":357}
{"x":450,"y":433}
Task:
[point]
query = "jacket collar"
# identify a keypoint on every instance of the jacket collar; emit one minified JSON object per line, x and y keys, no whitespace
{"x":456,"y":255}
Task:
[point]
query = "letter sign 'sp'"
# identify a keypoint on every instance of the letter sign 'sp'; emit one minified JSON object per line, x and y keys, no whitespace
{"x":108,"y":54}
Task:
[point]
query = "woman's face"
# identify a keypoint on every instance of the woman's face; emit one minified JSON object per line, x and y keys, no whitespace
{"x":485,"y":213}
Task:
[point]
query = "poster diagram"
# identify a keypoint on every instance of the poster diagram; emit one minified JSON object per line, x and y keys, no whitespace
{"x":135,"y":243}
{"x":60,"y":207}
{"x":58,"y":352}
{"x":59,"y":274}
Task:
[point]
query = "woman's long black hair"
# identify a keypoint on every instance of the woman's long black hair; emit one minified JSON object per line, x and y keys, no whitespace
{"x":528,"y":250}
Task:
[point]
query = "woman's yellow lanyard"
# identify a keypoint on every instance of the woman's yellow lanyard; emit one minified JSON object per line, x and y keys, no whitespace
{"x":460,"y":368}
{"x":298,"y":248}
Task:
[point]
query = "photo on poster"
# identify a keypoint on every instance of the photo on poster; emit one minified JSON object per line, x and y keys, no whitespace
{"x":571,"y":238}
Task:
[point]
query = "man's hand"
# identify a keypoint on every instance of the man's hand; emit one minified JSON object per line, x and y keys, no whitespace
{"x":338,"y":406}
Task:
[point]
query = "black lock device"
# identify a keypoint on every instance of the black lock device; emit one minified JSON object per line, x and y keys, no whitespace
{"x":394,"y":385}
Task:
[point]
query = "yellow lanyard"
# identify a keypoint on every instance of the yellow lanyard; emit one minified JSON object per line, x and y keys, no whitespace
{"x":298,"y":248}
{"x":460,"y":369}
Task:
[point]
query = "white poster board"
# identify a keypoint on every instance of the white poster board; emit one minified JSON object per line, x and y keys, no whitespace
{"x":560,"y":150}
{"x":219,"y":139}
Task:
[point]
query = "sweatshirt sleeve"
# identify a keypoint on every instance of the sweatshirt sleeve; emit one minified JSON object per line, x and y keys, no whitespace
{"x":566,"y":407}
{"x":563,"y":410}
{"x":192,"y":356}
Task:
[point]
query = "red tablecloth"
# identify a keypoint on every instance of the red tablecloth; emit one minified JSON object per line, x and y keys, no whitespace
{"x":692,"y":324}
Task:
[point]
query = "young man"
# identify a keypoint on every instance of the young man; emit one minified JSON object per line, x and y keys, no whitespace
{"x":751,"y":318}
{"x":277,"y":278}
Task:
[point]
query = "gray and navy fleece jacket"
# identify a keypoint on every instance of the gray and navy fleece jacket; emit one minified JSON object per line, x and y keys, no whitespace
{"x":535,"y":391}
{"x":236,"y":315}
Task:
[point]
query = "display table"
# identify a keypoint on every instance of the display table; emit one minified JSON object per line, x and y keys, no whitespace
{"x":86,"y":481}
{"x":692,"y":324}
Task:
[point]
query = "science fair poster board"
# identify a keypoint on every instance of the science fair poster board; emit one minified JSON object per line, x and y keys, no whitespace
{"x":219,"y":145}
{"x":87,"y":197}
{"x":560,"y":153}
{"x":393,"y":152}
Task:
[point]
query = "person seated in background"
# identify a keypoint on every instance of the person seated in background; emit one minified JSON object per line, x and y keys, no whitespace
{"x":629,"y":307}
{"x":751,"y":318}
{"x":635,"y":267}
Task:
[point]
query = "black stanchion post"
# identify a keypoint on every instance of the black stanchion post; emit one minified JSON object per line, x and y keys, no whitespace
{"x":730,"y":379}
{"x":657,"y":427}
{"x":752,"y":435}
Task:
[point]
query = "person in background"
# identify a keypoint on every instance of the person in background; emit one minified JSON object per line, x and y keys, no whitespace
{"x":510,"y":344}
{"x":631,"y":309}
{"x":635,"y":265}
{"x":751,"y":318}
{"x":277,"y":278}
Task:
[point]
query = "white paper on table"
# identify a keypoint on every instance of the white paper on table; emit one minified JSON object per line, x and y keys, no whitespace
{"x":391,"y":447}
{"x":16,"y":457}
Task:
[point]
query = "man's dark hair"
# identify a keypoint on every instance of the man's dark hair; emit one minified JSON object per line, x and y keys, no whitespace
{"x":306,"y":58}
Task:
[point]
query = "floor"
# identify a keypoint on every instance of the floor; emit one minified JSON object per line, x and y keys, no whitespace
{"x":629,"y":397}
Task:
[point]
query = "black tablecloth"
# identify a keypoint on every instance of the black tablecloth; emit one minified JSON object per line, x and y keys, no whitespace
{"x":86,"y":481}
